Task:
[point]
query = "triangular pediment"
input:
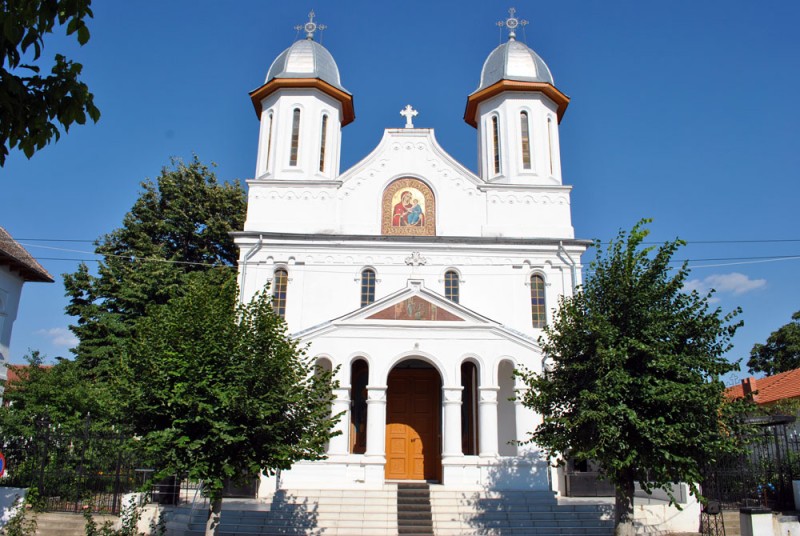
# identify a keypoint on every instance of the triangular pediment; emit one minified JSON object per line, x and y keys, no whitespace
{"x":415,"y":308}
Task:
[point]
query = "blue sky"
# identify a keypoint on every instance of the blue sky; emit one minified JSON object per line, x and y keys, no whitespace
{"x":682,"y":111}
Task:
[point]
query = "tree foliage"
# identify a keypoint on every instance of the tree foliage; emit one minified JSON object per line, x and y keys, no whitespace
{"x":219,"y":391}
{"x":57,"y":393}
{"x":636,"y":363}
{"x":179,"y":224}
{"x":781,"y":352}
{"x":32,"y":105}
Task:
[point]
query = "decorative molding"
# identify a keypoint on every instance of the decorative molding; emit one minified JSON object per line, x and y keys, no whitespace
{"x":528,"y":199}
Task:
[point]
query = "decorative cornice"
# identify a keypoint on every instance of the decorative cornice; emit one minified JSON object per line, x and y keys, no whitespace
{"x":400,"y":239}
{"x":346,"y":99}
{"x":561,"y":100}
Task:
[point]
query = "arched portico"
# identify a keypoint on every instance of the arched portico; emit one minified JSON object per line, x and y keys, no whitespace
{"x":413,"y":421}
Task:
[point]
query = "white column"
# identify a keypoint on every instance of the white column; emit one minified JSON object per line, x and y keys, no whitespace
{"x":452,"y":421}
{"x":487,"y":421}
{"x":376,"y":421}
{"x":525,"y":420}
{"x":340,"y":444}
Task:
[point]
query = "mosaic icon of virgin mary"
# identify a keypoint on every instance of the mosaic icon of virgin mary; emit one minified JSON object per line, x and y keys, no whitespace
{"x":409,"y":208}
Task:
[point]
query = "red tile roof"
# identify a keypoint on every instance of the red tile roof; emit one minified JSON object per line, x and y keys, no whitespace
{"x":770,"y":389}
{"x":13,"y":255}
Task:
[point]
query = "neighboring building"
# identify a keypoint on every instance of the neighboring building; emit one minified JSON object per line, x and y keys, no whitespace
{"x":770,"y":390}
{"x":424,"y":284}
{"x":16,"y":267}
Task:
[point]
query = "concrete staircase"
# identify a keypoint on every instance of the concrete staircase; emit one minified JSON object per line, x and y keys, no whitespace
{"x":414,"y":517}
{"x":306,"y":512}
{"x":462,"y":513}
{"x":408,"y":509}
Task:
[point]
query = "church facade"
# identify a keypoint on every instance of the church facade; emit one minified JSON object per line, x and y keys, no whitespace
{"x":422,"y":283}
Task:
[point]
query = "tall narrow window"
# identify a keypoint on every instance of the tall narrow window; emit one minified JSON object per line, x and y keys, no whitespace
{"x":538,"y":312}
{"x":295,"y":137}
{"x":526,"y":140}
{"x":359,"y":378}
{"x":323,"y":139}
{"x":367,"y":287}
{"x":496,"y":144}
{"x":280,"y":282}
{"x":269,"y":141}
{"x":550,"y":142}
{"x":451,"y":285}
{"x":469,"y":409}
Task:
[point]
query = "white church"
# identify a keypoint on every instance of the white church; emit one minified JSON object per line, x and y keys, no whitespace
{"x":424,"y":283}
{"x":424,"y":286}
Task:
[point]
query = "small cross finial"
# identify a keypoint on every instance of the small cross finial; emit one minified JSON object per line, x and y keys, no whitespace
{"x":310,"y":27}
{"x":512,"y":23}
{"x":408,"y":112}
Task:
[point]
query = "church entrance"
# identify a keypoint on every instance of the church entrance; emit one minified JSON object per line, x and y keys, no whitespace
{"x":413,"y":438}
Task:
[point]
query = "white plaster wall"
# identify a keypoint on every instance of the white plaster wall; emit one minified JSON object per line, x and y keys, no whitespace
{"x":10,"y":291}
{"x":313,"y":104}
{"x":296,"y":201}
{"x":545,"y":153}
{"x":325,"y":281}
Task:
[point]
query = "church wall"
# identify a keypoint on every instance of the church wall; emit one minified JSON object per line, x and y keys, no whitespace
{"x":325,"y":280}
{"x":464,"y":207}
{"x":543,"y":135}
{"x":313,"y":104}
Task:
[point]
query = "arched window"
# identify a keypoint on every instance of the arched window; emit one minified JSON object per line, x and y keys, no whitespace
{"x":538,"y":311}
{"x":269,"y":140}
{"x":496,"y":144}
{"x":550,"y":142}
{"x":359,"y":377}
{"x":323,"y":137}
{"x":280,"y":282}
{"x":367,"y":286}
{"x":295,"y":137}
{"x":526,"y":140}
{"x":469,"y":409}
{"x":451,"y":285}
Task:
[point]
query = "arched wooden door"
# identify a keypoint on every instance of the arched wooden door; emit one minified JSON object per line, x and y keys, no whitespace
{"x":412,"y":424}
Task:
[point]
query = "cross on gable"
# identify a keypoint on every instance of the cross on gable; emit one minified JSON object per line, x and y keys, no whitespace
{"x":408,"y":112}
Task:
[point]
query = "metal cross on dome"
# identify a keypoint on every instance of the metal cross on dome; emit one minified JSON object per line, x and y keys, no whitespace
{"x":512,"y":23}
{"x":310,"y":27}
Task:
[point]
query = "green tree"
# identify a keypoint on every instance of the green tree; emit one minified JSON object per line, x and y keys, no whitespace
{"x":179,"y":224}
{"x":219,"y":391}
{"x":633,"y":371}
{"x":56,"y":391}
{"x":33,"y":105}
{"x":47,"y":410}
{"x":781,"y":352}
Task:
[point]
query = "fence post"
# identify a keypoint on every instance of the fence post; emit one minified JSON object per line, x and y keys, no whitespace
{"x":115,"y":499}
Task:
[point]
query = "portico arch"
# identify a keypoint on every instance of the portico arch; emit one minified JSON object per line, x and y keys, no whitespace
{"x":413,"y":421}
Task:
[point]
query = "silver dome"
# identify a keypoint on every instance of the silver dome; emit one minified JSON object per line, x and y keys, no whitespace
{"x":514,"y":61}
{"x":306,"y":59}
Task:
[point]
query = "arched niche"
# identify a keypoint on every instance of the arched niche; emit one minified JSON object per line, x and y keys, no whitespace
{"x":408,"y":208}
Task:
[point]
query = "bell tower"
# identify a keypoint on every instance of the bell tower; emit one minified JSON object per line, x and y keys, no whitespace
{"x":302,"y":107}
{"x":516,"y":110}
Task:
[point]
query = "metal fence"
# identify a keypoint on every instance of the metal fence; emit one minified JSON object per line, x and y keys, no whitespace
{"x":71,"y":471}
{"x":763,"y":474}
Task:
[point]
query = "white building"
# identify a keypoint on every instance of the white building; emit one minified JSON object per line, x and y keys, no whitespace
{"x":16,"y":267}
{"x":426,"y":284}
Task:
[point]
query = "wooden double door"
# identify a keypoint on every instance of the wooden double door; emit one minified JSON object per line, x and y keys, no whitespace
{"x":413,"y":404}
